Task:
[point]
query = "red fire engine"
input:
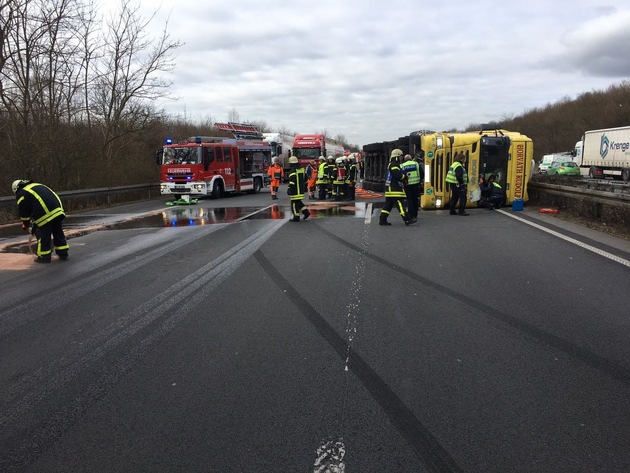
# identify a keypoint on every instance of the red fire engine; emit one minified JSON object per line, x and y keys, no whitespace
{"x":309,"y":147}
{"x":212,"y":166}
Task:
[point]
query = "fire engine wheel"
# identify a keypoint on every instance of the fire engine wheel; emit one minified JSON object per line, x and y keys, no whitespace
{"x":257,"y":186}
{"x":216,"y":190}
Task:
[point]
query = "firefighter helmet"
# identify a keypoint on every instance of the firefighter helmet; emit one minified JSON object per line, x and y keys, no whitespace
{"x":18,"y":184}
{"x":321,"y":158}
{"x":339,"y":161}
{"x":395,"y":154}
{"x":330,"y":157}
{"x":293,"y":160}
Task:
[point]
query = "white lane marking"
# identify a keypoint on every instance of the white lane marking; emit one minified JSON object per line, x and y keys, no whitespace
{"x":593,"y":249}
{"x":368,"y":214}
{"x":244,"y":217}
{"x":330,"y":457}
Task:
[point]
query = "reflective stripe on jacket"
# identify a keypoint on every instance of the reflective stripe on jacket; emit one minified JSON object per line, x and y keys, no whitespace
{"x":394,"y":182}
{"x":297,"y":184}
{"x":38,"y":202}
{"x":412,"y":169}
{"x":451,"y":176}
{"x":322,"y":177}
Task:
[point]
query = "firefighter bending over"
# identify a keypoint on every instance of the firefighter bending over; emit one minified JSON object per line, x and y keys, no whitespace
{"x":40,"y":205}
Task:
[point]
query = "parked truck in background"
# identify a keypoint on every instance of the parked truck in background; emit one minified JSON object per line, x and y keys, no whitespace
{"x":281,"y":148}
{"x":602,"y":153}
{"x":309,"y":147}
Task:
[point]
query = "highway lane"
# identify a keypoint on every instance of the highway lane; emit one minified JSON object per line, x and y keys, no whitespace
{"x":256,"y":344}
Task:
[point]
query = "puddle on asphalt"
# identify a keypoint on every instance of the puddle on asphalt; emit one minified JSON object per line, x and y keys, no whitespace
{"x":196,"y":216}
{"x":189,"y":216}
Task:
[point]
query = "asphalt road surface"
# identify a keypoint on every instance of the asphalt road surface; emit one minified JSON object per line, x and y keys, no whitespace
{"x":220,"y":337}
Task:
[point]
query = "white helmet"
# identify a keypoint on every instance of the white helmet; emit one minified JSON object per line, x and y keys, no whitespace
{"x":339,"y":161}
{"x":395,"y":156}
{"x":18,"y":184}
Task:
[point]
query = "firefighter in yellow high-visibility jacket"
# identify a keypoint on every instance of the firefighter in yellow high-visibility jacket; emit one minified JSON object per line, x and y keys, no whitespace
{"x":322,"y":179}
{"x":457,"y":179}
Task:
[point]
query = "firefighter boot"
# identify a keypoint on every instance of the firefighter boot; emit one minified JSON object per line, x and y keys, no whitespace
{"x":43,"y":259}
{"x":307,"y":213}
{"x":295,"y":219}
{"x":383,"y":218}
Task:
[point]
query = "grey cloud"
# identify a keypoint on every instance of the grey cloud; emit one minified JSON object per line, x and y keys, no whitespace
{"x":598,"y":48}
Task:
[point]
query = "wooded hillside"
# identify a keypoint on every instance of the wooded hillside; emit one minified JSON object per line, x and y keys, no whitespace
{"x":557,"y":126}
{"x":78,"y":94}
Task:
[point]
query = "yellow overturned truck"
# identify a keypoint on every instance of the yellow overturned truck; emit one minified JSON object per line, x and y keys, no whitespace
{"x":506,"y":154}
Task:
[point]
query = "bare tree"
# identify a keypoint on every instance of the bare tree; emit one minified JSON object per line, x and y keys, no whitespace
{"x":37,"y":85}
{"x":127,"y":80}
{"x":233,"y":116}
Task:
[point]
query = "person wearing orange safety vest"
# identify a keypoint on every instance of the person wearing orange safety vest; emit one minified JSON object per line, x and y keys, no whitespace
{"x":457,"y":179}
{"x":276,"y":173}
{"x":394,"y":190}
{"x":311,"y":176}
{"x":39,"y":205}
{"x":297,"y":187}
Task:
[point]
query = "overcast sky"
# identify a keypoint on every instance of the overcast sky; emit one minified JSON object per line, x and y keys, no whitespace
{"x":375,"y":70}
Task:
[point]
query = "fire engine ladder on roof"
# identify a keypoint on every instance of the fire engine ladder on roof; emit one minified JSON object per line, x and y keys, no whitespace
{"x":241,"y":131}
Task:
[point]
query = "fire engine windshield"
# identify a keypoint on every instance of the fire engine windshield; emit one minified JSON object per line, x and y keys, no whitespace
{"x":182,"y":155}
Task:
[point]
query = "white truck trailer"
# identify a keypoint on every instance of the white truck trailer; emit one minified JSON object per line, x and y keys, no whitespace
{"x":281,"y":148}
{"x":602,"y":153}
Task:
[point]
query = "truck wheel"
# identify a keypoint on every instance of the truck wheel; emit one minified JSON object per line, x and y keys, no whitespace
{"x":216,"y":190}
{"x":625,"y":174}
{"x":592,"y":172}
{"x":257,"y":186}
